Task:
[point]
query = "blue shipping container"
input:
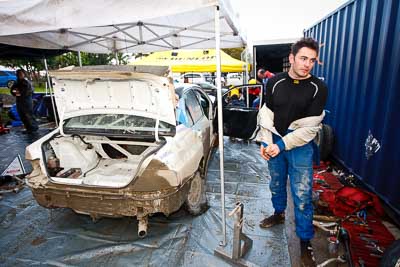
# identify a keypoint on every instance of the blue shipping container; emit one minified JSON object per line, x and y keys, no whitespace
{"x":360,"y":59}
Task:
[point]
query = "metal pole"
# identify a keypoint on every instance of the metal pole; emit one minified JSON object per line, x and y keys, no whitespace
{"x":220,"y":122}
{"x":243,"y":57}
{"x":51,"y":92}
{"x":116,"y":58}
{"x":80,"y":59}
{"x":247,"y":96}
{"x":255,"y":62}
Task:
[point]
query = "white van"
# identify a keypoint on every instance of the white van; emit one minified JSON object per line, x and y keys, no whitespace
{"x":234,"y":79}
{"x":195,"y":77}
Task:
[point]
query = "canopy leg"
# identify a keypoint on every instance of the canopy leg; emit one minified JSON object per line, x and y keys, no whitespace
{"x":80,"y":59}
{"x":220,"y":121}
{"x":51,"y":92}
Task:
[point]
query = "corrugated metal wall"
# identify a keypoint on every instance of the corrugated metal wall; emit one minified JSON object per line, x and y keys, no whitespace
{"x":361,"y":65}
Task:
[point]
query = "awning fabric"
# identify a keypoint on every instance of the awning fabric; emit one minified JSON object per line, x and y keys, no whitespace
{"x":192,"y":60}
{"x":18,"y":52}
{"x":104,"y":26}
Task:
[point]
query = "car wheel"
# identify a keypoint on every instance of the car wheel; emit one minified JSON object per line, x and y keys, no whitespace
{"x":10,"y":83}
{"x":196,"y":201}
{"x":324,"y":141}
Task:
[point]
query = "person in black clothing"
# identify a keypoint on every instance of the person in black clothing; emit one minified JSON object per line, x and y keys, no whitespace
{"x":297,"y":100}
{"x":23,"y":90}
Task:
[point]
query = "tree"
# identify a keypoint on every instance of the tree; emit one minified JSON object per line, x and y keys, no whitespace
{"x":234,"y":52}
{"x":32,"y":67}
{"x":71,"y":59}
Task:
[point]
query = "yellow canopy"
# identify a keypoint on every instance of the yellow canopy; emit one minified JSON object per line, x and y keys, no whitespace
{"x":192,"y":60}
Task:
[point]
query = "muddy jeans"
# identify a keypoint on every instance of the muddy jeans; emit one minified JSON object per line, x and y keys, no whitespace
{"x":297,"y":164}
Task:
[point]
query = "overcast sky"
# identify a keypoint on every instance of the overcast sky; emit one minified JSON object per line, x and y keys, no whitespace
{"x":281,"y":19}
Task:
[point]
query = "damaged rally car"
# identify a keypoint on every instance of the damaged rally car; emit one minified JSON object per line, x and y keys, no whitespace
{"x":128,"y":144}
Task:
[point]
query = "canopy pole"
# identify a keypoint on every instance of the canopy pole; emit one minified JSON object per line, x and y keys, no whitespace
{"x":51,"y":91}
{"x":220,"y":122}
{"x":80,"y":59}
{"x":116,"y":58}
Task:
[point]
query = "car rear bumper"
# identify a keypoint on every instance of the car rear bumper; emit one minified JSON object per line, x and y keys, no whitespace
{"x":106,"y":202}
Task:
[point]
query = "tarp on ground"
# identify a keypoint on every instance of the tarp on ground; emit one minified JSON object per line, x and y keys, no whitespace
{"x":104,"y":26}
{"x":33,"y":235}
{"x":193,"y":60}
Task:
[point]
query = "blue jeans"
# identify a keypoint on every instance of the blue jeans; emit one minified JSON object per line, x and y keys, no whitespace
{"x":297,"y":163}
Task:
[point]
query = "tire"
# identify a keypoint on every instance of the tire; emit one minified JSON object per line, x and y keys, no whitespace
{"x":391,"y":257}
{"x":10,"y":84}
{"x":196,"y":201}
{"x":324,"y":141}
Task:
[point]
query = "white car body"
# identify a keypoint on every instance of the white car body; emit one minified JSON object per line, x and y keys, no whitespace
{"x":119,"y":136}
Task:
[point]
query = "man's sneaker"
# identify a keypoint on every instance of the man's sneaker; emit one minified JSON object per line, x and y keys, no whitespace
{"x":307,"y":254}
{"x":273,"y":220}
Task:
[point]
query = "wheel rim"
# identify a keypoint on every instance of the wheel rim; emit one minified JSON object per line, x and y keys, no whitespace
{"x":10,"y":84}
{"x":194,"y":195}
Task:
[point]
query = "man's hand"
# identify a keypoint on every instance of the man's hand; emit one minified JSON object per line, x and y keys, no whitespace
{"x":263,"y":153}
{"x":16,"y":92}
{"x":272,"y":150}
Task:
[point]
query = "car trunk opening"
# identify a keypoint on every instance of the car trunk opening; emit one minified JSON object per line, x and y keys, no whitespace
{"x":93,"y":160}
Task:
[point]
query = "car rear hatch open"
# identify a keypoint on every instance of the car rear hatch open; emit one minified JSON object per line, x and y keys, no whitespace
{"x":111,"y":125}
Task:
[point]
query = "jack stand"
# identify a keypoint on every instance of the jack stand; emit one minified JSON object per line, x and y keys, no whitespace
{"x":238,"y":251}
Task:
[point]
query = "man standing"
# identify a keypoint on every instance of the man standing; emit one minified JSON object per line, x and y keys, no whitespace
{"x":289,"y":121}
{"x":23,"y":90}
{"x":263,"y":76}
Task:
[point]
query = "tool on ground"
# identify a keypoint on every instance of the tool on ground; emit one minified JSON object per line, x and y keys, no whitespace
{"x":18,"y":185}
{"x":238,"y":250}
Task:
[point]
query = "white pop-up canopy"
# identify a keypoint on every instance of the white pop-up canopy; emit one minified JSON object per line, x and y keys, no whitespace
{"x":104,"y":26}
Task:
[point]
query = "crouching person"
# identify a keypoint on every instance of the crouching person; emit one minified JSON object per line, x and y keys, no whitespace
{"x":288,"y":122}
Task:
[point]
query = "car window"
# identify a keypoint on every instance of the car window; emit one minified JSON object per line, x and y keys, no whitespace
{"x":205,"y":104}
{"x":116,"y":123}
{"x":13,"y":73}
{"x":193,"y":105}
{"x":182,"y":114}
{"x":205,"y":86}
{"x":2,"y":73}
{"x":192,"y":75}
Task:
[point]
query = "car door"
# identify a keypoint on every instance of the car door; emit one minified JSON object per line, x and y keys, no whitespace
{"x":201,"y":124}
{"x":208,"y":110}
{"x":239,"y":117}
